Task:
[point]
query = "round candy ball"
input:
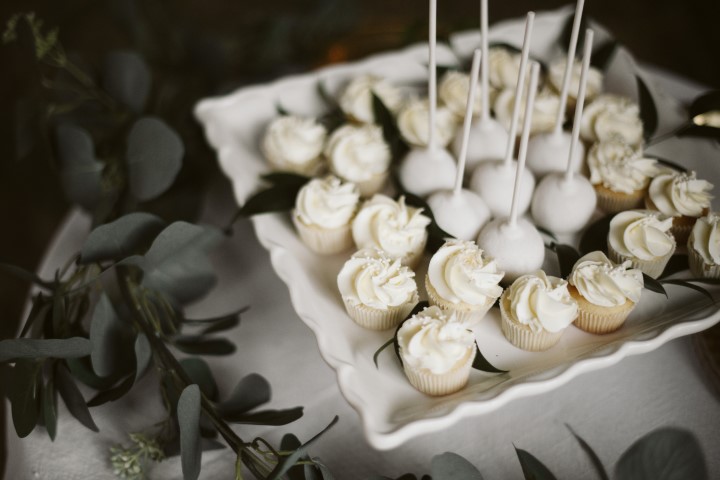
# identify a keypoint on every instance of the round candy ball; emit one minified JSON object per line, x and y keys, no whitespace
{"x":488,"y":141}
{"x":495,"y":182}
{"x":424,"y":171}
{"x":518,"y":249}
{"x":462,"y":216}
{"x":563,"y":205}
{"x":548,"y":153}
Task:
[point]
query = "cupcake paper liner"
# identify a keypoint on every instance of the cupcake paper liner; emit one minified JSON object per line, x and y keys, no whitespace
{"x":521,"y":336}
{"x":470,"y":315}
{"x":698,"y":267}
{"x":376,"y":319}
{"x":613,"y":202}
{"x":653,"y":268}
{"x":371,"y":186}
{"x":595,"y":319}
{"x":324,"y":241}
{"x":440,"y":384}
{"x":682,"y":225}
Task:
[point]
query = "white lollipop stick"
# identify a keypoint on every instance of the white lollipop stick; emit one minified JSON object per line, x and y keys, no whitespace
{"x":519,"y":87}
{"x":569,"y":67}
{"x":468,"y":120}
{"x":432,"y":80}
{"x":522,"y":154}
{"x":587,"y":54}
{"x":484,"y":80}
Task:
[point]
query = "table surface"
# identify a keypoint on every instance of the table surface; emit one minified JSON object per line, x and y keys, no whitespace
{"x":609,"y":408}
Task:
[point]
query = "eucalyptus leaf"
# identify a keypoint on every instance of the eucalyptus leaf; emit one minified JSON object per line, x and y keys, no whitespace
{"x":691,"y":286}
{"x":200,"y":374}
{"x":287,"y":179}
{"x":595,"y":236}
{"x":44,"y":348}
{"x":80,"y":172}
{"x":281,"y":110}
{"x":664,"y":454}
{"x":603,"y":54}
{"x":116,"y":240}
{"x":648,"y":110}
{"x":291,"y":442}
{"x":451,"y":466}
{"x":379,"y":350}
{"x":436,"y":235}
{"x":278,"y":198}
{"x":73,"y":399}
{"x":677,"y":263}
{"x":81,"y":369}
{"x":40,"y":309}
{"x":188,"y":414}
{"x":391,"y":133}
{"x":199,"y":345}
{"x":143,"y":355}
{"x":251,"y":391}
{"x":177,"y":264}
{"x":266,"y":417}
{"x":127,"y":78}
{"x":49,"y":408}
{"x":704,"y":103}
{"x":594,"y":459}
{"x":282,"y":467}
{"x":154,"y":157}
{"x":668,"y":163}
{"x":114,"y":393}
{"x":533,"y":469}
{"x":107,"y":334}
{"x":25,"y":275}
{"x":567,"y":257}
{"x":700,"y":131}
{"x":563,"y":40}
{"x":653,"y":285}
{"x":481,"y":363}
{"x":24,"y":395}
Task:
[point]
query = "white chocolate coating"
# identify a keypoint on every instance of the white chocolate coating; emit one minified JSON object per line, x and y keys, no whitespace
{"x":561,"y":205}
{"x":517,"y":249}
{"x":487,"y":141}
{"x":424,"y":171}
{"x":548,"y":152}
{"x":495,"y":181}
{"x":461,"y":216}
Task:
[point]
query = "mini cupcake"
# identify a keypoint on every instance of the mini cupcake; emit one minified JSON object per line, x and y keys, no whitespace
{"x":294,"y":144}
{"x":682,"y":196}
{"x":556,"y":75}
{"x":378,"y":292}
{"x":704,"y":247}
{"x":535,"y":310}
{"x":359,"y":154}
{"x":503,"y":68}
{"x":453,"y":92}
{"x":642,"y":237}
{"x":324,"y":209}
{"x":461,"y":280}
{"x":547,"y":103}
{"x":612,"y":116}
{"x":392,"y":226}
{"x":619,"y":175}
{"x":606,"y":293}
{"x":356,"y":100}
{"x":437,"y":352}
{"x":414,"y":120}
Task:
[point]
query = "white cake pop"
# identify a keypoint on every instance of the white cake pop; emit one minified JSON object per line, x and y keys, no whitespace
{"x":494,"y":180}
{"x":488,"y":138}
{"x":564,"y":202}
{"x":515,"y":244}
{"x":548,"y":152}
{"x":425,"y":170}
{"x":461,"y":212}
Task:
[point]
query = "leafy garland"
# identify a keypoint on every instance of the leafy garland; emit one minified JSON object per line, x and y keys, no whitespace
{"x":115,"y":309}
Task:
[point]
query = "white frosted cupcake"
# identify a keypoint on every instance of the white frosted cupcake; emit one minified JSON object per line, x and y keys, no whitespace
{"x":414,"y":120}
{"x":356,"y":100}
{"x":453,"y":92}
{"x":323,"y":212}
{"x":536,"y":309}
{"x":547,"y":103}
{"x":642,"y":237}
{"x":704,"y":247}
{"x":359,"y":154}
{"x":294,"y":144}
{"x":682,"y":196}
{"x":378,"y":292}
{"x":437,"y":352}
{"x":556,"y":74}
{"x":461,"y":280}
{"x":612,"y":116}
{"x":606,"y":292}
{"x":503,"y":68}
{"x":392,"y":226}
{"x":620,"y":175}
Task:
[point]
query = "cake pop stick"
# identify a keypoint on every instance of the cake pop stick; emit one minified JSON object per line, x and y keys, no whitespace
{"x":587,"y":54}
{"x":432,"y":78}
{"x":519,"y":87}
{"x":485,"y":76}
{"x":569,"y":67}
{"x":522,"y":154}
{"x":462,"y":158}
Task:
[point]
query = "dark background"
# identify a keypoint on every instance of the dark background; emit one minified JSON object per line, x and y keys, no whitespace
{"x":249,"y":42}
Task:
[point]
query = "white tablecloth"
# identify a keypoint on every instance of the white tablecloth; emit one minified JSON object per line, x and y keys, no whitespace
{"x":610,"y":408}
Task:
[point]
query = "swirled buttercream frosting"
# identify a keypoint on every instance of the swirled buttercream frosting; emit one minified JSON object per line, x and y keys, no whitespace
{"x":294,"y":143}
{"x":619,"y":167}
{"x":541,"y":302}
{"x":358,"y":152}
{"x":434,"y":341}
{"x":594,"y":78}
{"x":679,"y":193}
{"x":611,"y":116}
{"x":356,"y":100}
{"x":390,"y":225}
{"x":545,"y":110}
{"x":641,"y":234}
{"x":705,"y":238}
{"x":459,"y":272}
{"x":603,"y":283}
{"x":327,"y":202}
{"x":374,"y":279}
{"x":414,"y":122}
{"x":453,"y":93}
{"x":504,"y":66}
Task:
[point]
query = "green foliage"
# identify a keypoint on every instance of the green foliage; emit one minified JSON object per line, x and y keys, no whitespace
{"x":80,"y":172}
{"x":533,"y":469}
{"x":31,"y":348}
{"x":120,"y":238}
{"x":451,"y":466}
{"x":127,"y":78}
{"x":188,"y":413}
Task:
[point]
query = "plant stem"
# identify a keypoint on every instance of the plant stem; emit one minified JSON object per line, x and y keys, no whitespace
{"x":672,"y":133}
